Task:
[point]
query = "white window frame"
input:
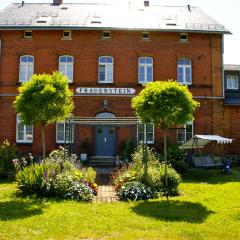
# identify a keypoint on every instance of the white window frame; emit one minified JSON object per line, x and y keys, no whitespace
{"x":184,"y":129}
{"x":184,"y":67}
{"x":145,"y":133}
{"x":64,"y":126}
{"x":229,"y":82}
{"x":25,"y":136}
{"x":28,"y":67}
{"x":145,"y":66}
{"x":65,"y":66}
{"x":108,"y":67}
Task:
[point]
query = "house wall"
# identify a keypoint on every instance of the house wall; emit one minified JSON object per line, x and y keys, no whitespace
{"x":204,"y":50}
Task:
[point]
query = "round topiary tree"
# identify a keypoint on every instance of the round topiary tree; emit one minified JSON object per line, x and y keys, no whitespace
{"x":165,"y":104}
{"x":43,"y":100}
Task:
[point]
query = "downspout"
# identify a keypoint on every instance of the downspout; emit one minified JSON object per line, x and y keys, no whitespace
{"x":223,"y":67}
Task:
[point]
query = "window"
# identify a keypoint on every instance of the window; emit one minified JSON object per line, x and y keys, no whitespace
{"x":27,"y":34}
{"x":232,"y":82}
{"x":106,"y":34}
{"x":146,"y":133}
{"x":67,"y":34}
{"x":105,"y":70}
{"x":24,"y":133}
{"x":183,"y":37}
{"x":185,"y":132}
{"x":66,"y":67}
{"x":145,"y":35}
{"x":26,"y":68}
{"x":145,"y":69}
{"x":184,"y":71}
{"x":61,"y":128}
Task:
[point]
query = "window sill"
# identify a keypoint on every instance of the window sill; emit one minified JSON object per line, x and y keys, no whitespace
{"x":27,"y":39}
{"x":105,"y":83}
{"x":24,"y":143}
{"x":66,"y":38}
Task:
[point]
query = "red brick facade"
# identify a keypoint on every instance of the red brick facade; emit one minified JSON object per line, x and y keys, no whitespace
{"x":204,"y":50}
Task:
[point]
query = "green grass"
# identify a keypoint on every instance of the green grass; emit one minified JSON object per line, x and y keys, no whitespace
{"x":209,"y":208}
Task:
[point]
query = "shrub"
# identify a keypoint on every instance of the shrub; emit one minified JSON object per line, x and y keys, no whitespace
{"x":176,"y":158}
{"x":123,"y":176}
{"x":134,"y":191}
{"x":65,"y":187}
{"x":37,"y":178}
{"x":89,"y":175}
{"x":127,"y":149}
{"x":7,"y":153}
{"x":156,"y":180}
{"x":56,"y":177}
{"x":138,"y":156}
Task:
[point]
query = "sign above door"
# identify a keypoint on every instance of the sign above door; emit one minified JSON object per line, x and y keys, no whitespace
{"x":105,"y":91}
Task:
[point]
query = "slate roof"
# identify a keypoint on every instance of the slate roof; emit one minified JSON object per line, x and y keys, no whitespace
{"x":106,"y":16}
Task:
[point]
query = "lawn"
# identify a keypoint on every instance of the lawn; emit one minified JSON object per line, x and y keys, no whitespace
{"x":209,"y":208}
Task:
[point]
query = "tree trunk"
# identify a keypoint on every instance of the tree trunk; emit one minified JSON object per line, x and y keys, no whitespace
{"x":165,"y":161}
{"x":43,"y":142}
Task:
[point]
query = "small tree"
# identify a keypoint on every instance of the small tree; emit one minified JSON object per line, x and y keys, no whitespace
{"x":43,"y":100}
{"x":165,"y":104}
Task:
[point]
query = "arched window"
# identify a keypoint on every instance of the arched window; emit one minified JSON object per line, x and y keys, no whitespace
{"x":145,"y":69}
{"x":26,"y":68}
{"x":66,"y":67}
{"x":24,"y":133}
{"x":105,"y":69}
{"x":184,"y":71}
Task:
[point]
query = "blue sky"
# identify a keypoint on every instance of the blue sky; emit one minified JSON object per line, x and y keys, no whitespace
{"x":225,"y":12}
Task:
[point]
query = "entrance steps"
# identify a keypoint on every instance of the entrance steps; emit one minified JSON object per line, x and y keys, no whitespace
{"x":102,"y":161}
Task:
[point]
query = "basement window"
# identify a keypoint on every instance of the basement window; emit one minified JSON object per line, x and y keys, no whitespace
{"x":27,"y":34}
{"x":183,"y":37}
{"x":106,"y":34}
{"x":145,"y":35}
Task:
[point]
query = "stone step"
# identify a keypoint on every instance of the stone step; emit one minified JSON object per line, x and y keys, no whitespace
{"x":102,"y":161}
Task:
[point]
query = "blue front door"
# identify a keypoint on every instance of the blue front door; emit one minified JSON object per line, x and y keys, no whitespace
{"x":105,"y":141}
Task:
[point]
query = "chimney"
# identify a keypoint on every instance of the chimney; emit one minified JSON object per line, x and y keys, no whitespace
{"x":189,"y":8}
{"x":146,"y":3}
{"x":57,"y":2}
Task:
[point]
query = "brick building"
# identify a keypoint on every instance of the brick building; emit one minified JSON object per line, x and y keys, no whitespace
{"x":108,"y":52}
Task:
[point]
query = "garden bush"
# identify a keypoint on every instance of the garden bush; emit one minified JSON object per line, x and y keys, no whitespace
{"x":56,"y":177}
{"x":155,"y":178}
{"x":134,"y":191}
{"x":127,"y":149}
{"x":177,"y":158}
{"x":122,"y":176}
{"x":7,"y":153}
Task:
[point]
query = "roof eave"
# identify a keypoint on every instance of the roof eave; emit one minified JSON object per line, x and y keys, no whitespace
{"x":109,"y":28}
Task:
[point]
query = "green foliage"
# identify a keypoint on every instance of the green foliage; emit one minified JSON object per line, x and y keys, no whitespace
{"x":138,"y":156}
{"x":155,"y":178}
{"x":165,"y":104}
{"x":7,"y":153}
{"x":38,"y":178}
{"x":56,"y":177}
{"x":127,"y":149}
{"x":122,"y":176}
{"x":44,"y":99}
{"x":65,"y":187}
{"x":177,"y":157}
{"x":134,"y":191}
